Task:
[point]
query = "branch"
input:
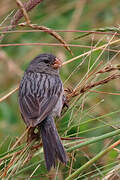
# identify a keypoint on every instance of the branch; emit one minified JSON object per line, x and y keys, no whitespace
{"x":24,"y":8}
{"x":28,"y":6}
{"x":49,"y":31}
{"x":104,"y":81}
{"x":71,"y":93}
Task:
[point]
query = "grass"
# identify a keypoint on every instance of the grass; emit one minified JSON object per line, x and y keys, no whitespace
{"x":90,"y":126}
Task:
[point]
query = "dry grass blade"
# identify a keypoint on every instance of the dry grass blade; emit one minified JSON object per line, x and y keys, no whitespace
{"x":55,"y":44}
{"x":49,"y":31}
{"x":91,"y":85}
{"x":91,"y":51}
{"x":21,"y":6}
{"x":6,"y":18}
{"x":14,"y":156}
{"x":34,"y":172}
{"x":113,"y":174}
{"x":54,"y":34}
{"x":12,"y":162}
{"x":28,"y":6}
{"x":9,"y":94}
{"x":88,"y":75}
{"x":109,"y":69}
{"x":104,"y":81}
{"x":58,"y":30}
{"x":75,"y":91}
{"x":19,"y":140}
{"x":85,"y":88}
{"x":24,"y":8}
{"x":102,"y":30}
{"x":9,"y":155}
{"x":103,"y":92}
{"x":18,"y":156}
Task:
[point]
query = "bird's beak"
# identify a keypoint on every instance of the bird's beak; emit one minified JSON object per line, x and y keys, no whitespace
{"x":57,"y":63}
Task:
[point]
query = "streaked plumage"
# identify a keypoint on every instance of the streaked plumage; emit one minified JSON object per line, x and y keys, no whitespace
{"x":41,"y":98}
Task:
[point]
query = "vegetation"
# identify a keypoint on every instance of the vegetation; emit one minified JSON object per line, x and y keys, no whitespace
{"x":85,"y":35}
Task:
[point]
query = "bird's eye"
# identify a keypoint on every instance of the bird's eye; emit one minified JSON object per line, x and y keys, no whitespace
{"x":46,"y":61}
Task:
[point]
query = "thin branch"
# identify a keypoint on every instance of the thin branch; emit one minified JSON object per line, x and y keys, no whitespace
{"x":28,"y":6}
{"x":22,"y":8}
{"x":9,"y":94}
{"x":71,"y":94}
{"x":103,"y":92}
{"x":104,"y":81}
{"x":56,"y":30}
{"x":20,"y":138}
{"x":49,"y":31}
{"x":91,"y":51}
{"x":43,"y":28}
{"x":6,"y":19}
{"x":55,"y":44}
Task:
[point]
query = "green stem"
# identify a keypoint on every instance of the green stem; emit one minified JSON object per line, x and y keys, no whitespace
{"x":77,"y":172}
{"x":93,"y":140}
{"x":12,"y":151}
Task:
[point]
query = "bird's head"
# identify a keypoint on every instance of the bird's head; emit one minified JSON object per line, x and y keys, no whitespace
{"x":46,"y":62}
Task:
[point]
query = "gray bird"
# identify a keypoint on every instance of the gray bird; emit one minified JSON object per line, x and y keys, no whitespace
{"x":41,"y":97}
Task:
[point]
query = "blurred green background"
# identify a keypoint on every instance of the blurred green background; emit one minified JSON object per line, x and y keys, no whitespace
{"x":80,"y":120}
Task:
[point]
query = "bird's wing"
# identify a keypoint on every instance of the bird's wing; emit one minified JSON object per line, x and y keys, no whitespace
{"x":35,"y":109}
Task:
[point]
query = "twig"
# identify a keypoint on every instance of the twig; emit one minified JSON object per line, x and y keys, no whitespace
{"x":54,"y":44}
{"x":21,"y":137}
{"x":28,"y":6}
{"x":103,"y":92}
{"x":104,"y":81}
{"x":90,"y":86}
{"x":22,"y":8}
{"x":71,"y":93}
{"x":91,"y":51}
{"x":14,"y":159}
{"x":109,"y":68}
{"x":34,"y":172}
{"x":49,"y":31}
{"x":6,"y":19}
{"x":43,"y":28}
{"x":87,"y":76}
{"x":56,"y":30}
{"x":9,"y":94}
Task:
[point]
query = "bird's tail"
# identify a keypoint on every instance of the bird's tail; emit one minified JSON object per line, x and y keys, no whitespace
{"x":52,"y":146}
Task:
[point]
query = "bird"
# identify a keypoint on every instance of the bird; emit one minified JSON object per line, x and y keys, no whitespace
{"x":41,"y":98}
